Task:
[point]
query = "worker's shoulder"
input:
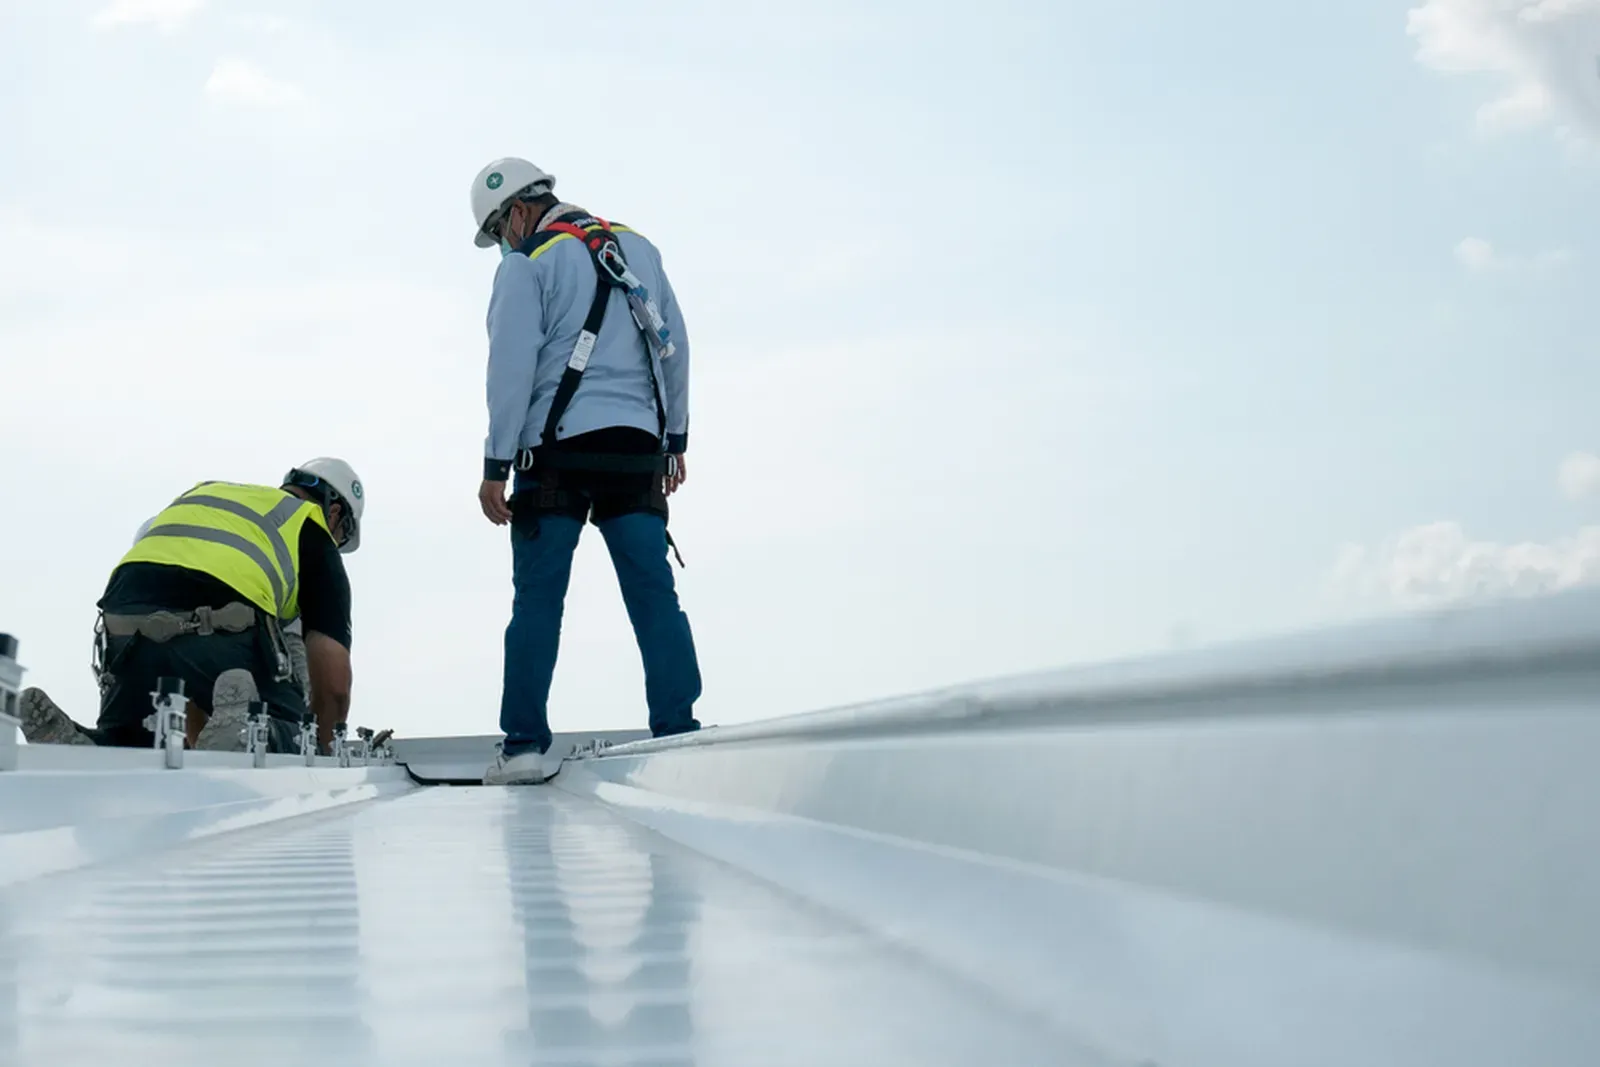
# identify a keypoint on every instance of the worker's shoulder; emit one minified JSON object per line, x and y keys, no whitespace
{"x":319,"y":553}
{"x":558,"y":258}
{"x":515,"y":271}
{"x":633,"y":241}
{"x":550,"y":244}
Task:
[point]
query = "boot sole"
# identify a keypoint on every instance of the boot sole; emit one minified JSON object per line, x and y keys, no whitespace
{"x":230,"y":697}
{"x":44,"y":723}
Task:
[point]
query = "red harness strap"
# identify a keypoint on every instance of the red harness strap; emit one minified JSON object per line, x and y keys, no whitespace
{"x":593,"y":238}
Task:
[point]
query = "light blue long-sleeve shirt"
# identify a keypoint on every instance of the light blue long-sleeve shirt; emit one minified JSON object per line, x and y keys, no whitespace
{"x":536,"y":312}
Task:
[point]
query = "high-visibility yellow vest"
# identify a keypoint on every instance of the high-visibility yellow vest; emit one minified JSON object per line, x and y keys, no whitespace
{"x":246,"y":536}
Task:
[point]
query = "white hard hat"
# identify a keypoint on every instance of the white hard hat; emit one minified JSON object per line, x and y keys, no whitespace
{"x":341,"y":478}
{"x":499,"y":182}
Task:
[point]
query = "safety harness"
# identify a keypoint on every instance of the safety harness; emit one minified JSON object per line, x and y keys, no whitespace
{"x":611,"y":272}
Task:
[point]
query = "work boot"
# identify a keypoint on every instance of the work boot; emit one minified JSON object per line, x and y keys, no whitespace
{"x":230,"y":708}
{"x":45,"y":724}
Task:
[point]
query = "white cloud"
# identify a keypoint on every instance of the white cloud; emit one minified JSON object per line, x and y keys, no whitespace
{"x":1579,"y":476}
{"x":243,"y":82}
{"x":167,"y":15}
{"x":1477,"y":254}
{"x":1438,"y":563}
{"x":1544,"y":53}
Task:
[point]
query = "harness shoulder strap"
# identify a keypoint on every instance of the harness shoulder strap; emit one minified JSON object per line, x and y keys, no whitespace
{"x":565,"y":225}
{"x":593,"y":239}
{"x":611,"y":272}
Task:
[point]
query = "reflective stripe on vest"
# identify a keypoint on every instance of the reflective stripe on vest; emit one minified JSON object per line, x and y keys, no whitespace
{"x":246,"y":536}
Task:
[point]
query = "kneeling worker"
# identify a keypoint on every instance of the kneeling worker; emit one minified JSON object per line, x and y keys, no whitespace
{"x":205,"y":594}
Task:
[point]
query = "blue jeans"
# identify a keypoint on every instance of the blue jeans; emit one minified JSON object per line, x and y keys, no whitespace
{"x":541,"y":566}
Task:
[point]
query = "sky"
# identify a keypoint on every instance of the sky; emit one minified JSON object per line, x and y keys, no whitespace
{"x":1023,"y":336}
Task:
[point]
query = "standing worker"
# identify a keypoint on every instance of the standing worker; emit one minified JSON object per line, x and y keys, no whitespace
{"x":204,"y":595}
{"x":577,"y":298}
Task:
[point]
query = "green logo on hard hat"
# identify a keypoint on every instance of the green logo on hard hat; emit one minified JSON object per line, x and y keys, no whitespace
{"x":493,"y":181}
{"x":355,"y":490}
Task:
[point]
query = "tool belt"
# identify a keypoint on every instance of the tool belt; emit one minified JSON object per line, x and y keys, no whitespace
{"x":162,"y":626}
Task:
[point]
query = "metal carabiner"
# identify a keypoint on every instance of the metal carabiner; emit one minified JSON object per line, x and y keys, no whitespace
{"x":609,"y":256}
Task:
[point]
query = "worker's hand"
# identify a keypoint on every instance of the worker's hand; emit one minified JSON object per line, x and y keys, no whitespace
{"x":492,"y":498}
{"x":681,"y":475}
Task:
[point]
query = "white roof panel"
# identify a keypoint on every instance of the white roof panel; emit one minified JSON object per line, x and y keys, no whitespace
{"x":465,"y":926}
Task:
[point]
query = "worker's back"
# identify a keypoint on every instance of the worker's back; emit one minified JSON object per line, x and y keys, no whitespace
{"x":547,"y":294}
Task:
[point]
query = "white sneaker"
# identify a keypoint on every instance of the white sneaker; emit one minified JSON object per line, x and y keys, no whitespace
{"x":230,"y":707}
{"x":528,"y":768}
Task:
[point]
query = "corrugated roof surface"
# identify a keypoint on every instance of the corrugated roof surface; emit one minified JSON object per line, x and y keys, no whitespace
{"x":1375,"y":849}
{"x":460,"y":926}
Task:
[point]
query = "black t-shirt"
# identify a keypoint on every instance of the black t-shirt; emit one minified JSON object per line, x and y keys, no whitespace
{"x":324,"y":587}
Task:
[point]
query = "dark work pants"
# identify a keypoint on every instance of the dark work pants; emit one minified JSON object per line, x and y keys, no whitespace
{"x":541,"y":554}
{"x":134,"y":664}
